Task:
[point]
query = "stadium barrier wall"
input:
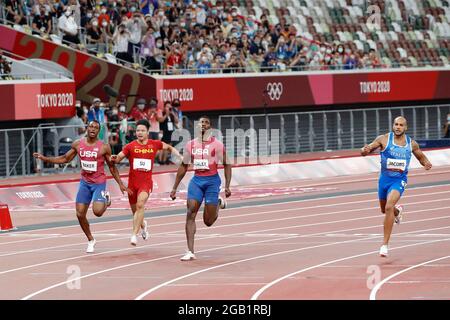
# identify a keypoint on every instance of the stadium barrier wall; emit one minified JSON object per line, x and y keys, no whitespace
{"x":36,"y":196}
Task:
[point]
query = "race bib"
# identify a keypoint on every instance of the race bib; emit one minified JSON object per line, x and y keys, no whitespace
{"x":90,"y":166}
{"x":170,"y":126}
{"x":142,"y":164}
{"x":201,"y":164}
{"x":396,"y":164}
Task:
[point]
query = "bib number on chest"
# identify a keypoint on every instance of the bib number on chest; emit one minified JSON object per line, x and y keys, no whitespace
{"x":142,"y":164}
{"x":89,"y":166}
{"x":201,"y":164}
{"x":396,"y":164}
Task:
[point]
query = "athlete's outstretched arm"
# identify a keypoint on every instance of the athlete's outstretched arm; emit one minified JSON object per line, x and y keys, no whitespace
{"x":420,"y":155}
{"x":61,"y":159}
{"x":368,"y":148}
{"x":113,"y":169}
{"x":172,"y":150}
{"x":227,"y":172}
{"x":116,"y":158}
{"x":182,"y":169}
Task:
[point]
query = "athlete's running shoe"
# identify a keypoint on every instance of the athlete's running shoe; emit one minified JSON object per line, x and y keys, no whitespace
{"x":222,"y":203}
{"x":108,"y":198}
{"x":91,"y":245}
{"x":188,"y":256}
{"x":399,"y":217}
{"x":384,"y":251}
{"x":133,"y":240}
{"x":144,"y":232}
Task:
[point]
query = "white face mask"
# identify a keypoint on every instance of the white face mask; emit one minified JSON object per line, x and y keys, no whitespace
{"x":122,"y":108}
{"x":104,"y":23}
{"x":89,"y":15}
{"x":141,"y":106}
{"x":115,"y":112}
{"x":166,"y":23}
{"x":158,"y":44}
{"x":161,"y":14}
{"x":95,"y":23}
{"x":182,"y":24}
{"x":103,"y":10}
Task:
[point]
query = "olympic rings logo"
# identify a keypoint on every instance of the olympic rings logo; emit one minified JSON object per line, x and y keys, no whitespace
{"x":274,"y":90}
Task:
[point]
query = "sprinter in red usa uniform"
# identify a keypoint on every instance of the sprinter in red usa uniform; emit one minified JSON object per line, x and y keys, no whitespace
{"x":93,"y":153}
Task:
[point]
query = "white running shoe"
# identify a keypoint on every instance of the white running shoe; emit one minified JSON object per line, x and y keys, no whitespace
{"x":144,"y":232}
{"x":222,"y":203}
{"x":108,"y":198}
{"x":133,"y":240}
{"x":384,"y":251}
{"x":188,"y":256}
{"x":399,"y":217}
{"x":91,"y":245}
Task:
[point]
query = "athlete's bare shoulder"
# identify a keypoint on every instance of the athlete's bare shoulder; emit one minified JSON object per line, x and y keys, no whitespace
{"x":76,"y":144}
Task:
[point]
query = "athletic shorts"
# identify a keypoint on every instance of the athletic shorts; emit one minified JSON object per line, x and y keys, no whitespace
{"x":145,"y":186}
{"x":88,"y":192}
{"x":387,"y":184}
{"x":207,"y":188}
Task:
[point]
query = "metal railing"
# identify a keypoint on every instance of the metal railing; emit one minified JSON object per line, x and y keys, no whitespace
{"x":334,"y":130}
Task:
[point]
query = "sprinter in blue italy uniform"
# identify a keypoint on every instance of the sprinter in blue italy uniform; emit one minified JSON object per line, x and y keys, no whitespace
{"x":396,"y":148}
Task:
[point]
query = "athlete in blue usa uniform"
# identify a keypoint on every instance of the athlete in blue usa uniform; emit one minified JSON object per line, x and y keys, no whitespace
{"x":396,"y":149}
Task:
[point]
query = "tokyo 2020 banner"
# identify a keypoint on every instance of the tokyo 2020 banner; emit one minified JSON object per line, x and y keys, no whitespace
{"x":31,"y":99}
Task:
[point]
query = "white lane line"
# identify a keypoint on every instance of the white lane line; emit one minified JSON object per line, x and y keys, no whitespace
{"x":373,"y":292}
{"x":207,"y":250}
{"x":324,"y":198}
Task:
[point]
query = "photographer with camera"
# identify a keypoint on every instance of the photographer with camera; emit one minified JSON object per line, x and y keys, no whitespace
{"x":167,"y":123}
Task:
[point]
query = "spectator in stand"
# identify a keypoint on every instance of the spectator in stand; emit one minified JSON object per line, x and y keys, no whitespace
{"x":96,"y":112}
{"x":154,"y":118}
{"x":138,"y":112}
{"x":174,"y":59}
{"x":148,"y":50}
{"x":136,"y":27}
{"x":176,"y":105}
{"x":14,"y":12}
{"x":42,"y":23}
{"x":121,"y":38}
{"x":167,"y":124}
{"x":68,"y":27}
{"x":114,"y":129}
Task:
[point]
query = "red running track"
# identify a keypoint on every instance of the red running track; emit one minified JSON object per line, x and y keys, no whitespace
{"x":320,"y":248}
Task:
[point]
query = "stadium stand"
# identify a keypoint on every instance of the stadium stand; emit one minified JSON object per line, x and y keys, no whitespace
{"x":178,"y":37}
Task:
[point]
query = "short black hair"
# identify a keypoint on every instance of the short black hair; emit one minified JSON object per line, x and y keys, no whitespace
{"x":95,"y":122}
{"x":143,"y":122}
{"x":205,"y":117}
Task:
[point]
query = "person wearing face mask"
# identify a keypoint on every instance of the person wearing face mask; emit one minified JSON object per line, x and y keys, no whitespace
{"x":93,"y":36}
{"x":68,"y":27}
{"x":104,"y":19}
{"x":86,"y":18}
{"x":139,"y":111}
